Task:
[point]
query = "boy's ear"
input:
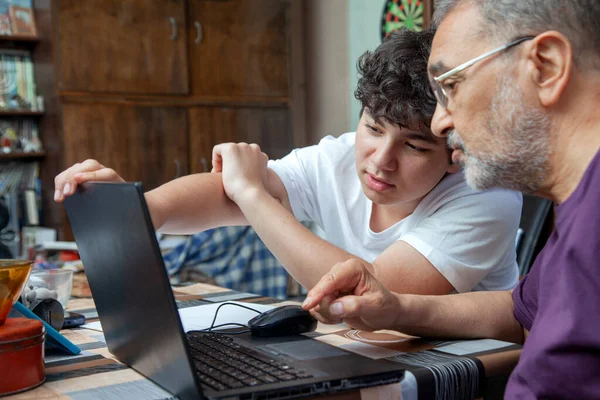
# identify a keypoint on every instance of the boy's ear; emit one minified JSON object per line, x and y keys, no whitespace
{"x":454,"y":168}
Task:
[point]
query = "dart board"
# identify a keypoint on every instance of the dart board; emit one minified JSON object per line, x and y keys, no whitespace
{"x":409,"y":14}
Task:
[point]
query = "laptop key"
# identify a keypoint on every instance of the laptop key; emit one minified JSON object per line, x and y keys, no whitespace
{"x":251,"y":382}
{"x":240,"y":375}
{"x":235,"y":384}
{"x":268,"y":379}
{"x":254,"y":371}
{"x":212,"y":383}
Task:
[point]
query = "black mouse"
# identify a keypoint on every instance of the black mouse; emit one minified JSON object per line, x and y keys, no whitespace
{"x":282,"y":321}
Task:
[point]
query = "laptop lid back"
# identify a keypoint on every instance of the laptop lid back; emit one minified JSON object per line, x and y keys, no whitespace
{"x":127,"y":277}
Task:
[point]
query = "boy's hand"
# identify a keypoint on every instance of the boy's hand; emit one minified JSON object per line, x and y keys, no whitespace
{"x":66,"y":182}
{"x":244,"y":168}
{"x":350,"y":293}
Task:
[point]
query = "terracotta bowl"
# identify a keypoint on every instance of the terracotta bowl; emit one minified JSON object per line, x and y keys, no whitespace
{"x":13,"y":276}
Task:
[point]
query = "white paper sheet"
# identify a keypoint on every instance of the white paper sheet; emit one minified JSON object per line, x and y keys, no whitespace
{"x":200,"y":317}
{"x":465,"y":347}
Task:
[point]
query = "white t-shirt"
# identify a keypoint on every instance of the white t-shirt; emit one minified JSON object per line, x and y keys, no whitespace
{"x":468,"y":235}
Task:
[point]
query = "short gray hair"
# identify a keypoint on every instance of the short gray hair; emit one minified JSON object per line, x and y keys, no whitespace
{"x":578,"y":20}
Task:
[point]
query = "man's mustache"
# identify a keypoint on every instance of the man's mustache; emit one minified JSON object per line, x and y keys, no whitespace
{"x":454,"y":141}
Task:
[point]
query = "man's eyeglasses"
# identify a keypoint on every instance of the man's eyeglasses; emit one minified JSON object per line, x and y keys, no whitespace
{"x":437,"y":84}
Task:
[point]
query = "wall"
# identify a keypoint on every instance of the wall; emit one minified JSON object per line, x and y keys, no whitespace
{"x":326,"y":71}
{"x":337,"y":32}
{"x":364,"y":23}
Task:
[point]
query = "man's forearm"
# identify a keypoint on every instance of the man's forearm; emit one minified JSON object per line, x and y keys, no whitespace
{"x":192,"y":204}
{"x":306,"y":256}
{"x":467,"y":315}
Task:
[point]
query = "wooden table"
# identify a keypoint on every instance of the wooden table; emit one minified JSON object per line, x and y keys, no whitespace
{"x":97,"y":374}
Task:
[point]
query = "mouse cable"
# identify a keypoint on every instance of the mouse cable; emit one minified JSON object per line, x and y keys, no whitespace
{"x":209,"y":330}
{"x":213,"y":326}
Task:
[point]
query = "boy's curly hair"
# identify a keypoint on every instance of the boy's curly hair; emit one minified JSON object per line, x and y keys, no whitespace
{"x":394,"y":85}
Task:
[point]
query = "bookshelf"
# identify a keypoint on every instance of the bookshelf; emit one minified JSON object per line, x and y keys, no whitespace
{"x":20,"y":155}
{"x":18,"y":40}
{"x":20,"y":113}
{"x":21,"y":119}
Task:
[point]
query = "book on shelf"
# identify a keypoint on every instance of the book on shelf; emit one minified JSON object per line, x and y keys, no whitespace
{"x":5,"y":25}
{"x":17,"y":18}
{"x":17,"y":84}
{"x":17,"y":177}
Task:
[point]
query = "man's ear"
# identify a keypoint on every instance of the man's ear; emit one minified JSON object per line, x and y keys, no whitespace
{"x":551,"y":56}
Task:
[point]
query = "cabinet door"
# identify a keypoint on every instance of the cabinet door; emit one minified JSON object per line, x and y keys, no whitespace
{"x":239,"y":47}
{"x":127,"y":46}
{"x":268,"y":127}
{"x":147,"y":144}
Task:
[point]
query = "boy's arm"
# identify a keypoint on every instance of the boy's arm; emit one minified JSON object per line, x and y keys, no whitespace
{"x":192,"y":204}
{"x":189,"y":204}
{"x":198,"y":202}
{"x":308,"y":258}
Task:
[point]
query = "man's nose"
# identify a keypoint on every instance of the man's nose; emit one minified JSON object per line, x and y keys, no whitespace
{"x":441,"y":123}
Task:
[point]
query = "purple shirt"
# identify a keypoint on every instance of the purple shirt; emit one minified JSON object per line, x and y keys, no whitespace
{"x":559,"y":303}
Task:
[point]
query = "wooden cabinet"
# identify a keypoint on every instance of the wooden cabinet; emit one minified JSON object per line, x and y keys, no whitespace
{"x":117,"y":46}
{"x":239,"y":47}
{"x":148,"y":87}
{"x":147,"y":144}
{"x":270,"y":127}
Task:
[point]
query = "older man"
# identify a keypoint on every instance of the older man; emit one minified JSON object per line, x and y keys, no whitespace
{"x":517,"y":83}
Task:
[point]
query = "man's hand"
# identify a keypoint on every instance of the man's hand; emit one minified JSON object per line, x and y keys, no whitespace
{"x":244,"y":168}
{"x":66,"y":182}
{"x":350,"y":293}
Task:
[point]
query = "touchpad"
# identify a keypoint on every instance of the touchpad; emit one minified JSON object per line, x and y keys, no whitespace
{"x":303,"y":350}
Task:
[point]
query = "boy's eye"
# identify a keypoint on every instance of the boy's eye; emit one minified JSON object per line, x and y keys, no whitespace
{"x":373,"y":129}
{"x":416,"y":148}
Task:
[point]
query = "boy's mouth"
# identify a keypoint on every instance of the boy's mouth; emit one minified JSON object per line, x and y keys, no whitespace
{"x":378,"y":184}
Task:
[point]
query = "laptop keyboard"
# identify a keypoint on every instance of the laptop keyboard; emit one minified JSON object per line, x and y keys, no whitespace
{"x":223,"y":364}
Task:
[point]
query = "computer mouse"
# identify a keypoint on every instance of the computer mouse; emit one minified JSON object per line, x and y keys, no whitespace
{"x":282,"y":321}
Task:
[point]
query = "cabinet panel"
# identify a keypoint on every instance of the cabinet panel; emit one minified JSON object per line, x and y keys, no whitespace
{"x":239,"y":47}
{"x":269,"y":127}
{"x":140,"y":143}
{"x":129,"y":46}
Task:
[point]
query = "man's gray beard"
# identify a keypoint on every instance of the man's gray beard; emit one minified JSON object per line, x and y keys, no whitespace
{"x":520,"y":137}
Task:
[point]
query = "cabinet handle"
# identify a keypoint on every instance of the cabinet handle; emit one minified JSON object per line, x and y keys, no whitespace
{"x":198,"y":32}
{"x":204,"y":164}
{"x":177,"y":168}
{"x":173,"y":22}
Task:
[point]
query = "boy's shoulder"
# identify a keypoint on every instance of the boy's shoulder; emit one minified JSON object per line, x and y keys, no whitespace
{"x":344,"y":142}
{"x":454,"y":191}
{"x":337,"y":148}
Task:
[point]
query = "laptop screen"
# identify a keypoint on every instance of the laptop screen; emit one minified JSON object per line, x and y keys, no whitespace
{"x":129,"y":283}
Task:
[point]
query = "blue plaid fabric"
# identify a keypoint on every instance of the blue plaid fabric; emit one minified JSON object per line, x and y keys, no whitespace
{"x":234,"y":257}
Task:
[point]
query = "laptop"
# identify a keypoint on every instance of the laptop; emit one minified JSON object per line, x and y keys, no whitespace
{"x":130,"y":286}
